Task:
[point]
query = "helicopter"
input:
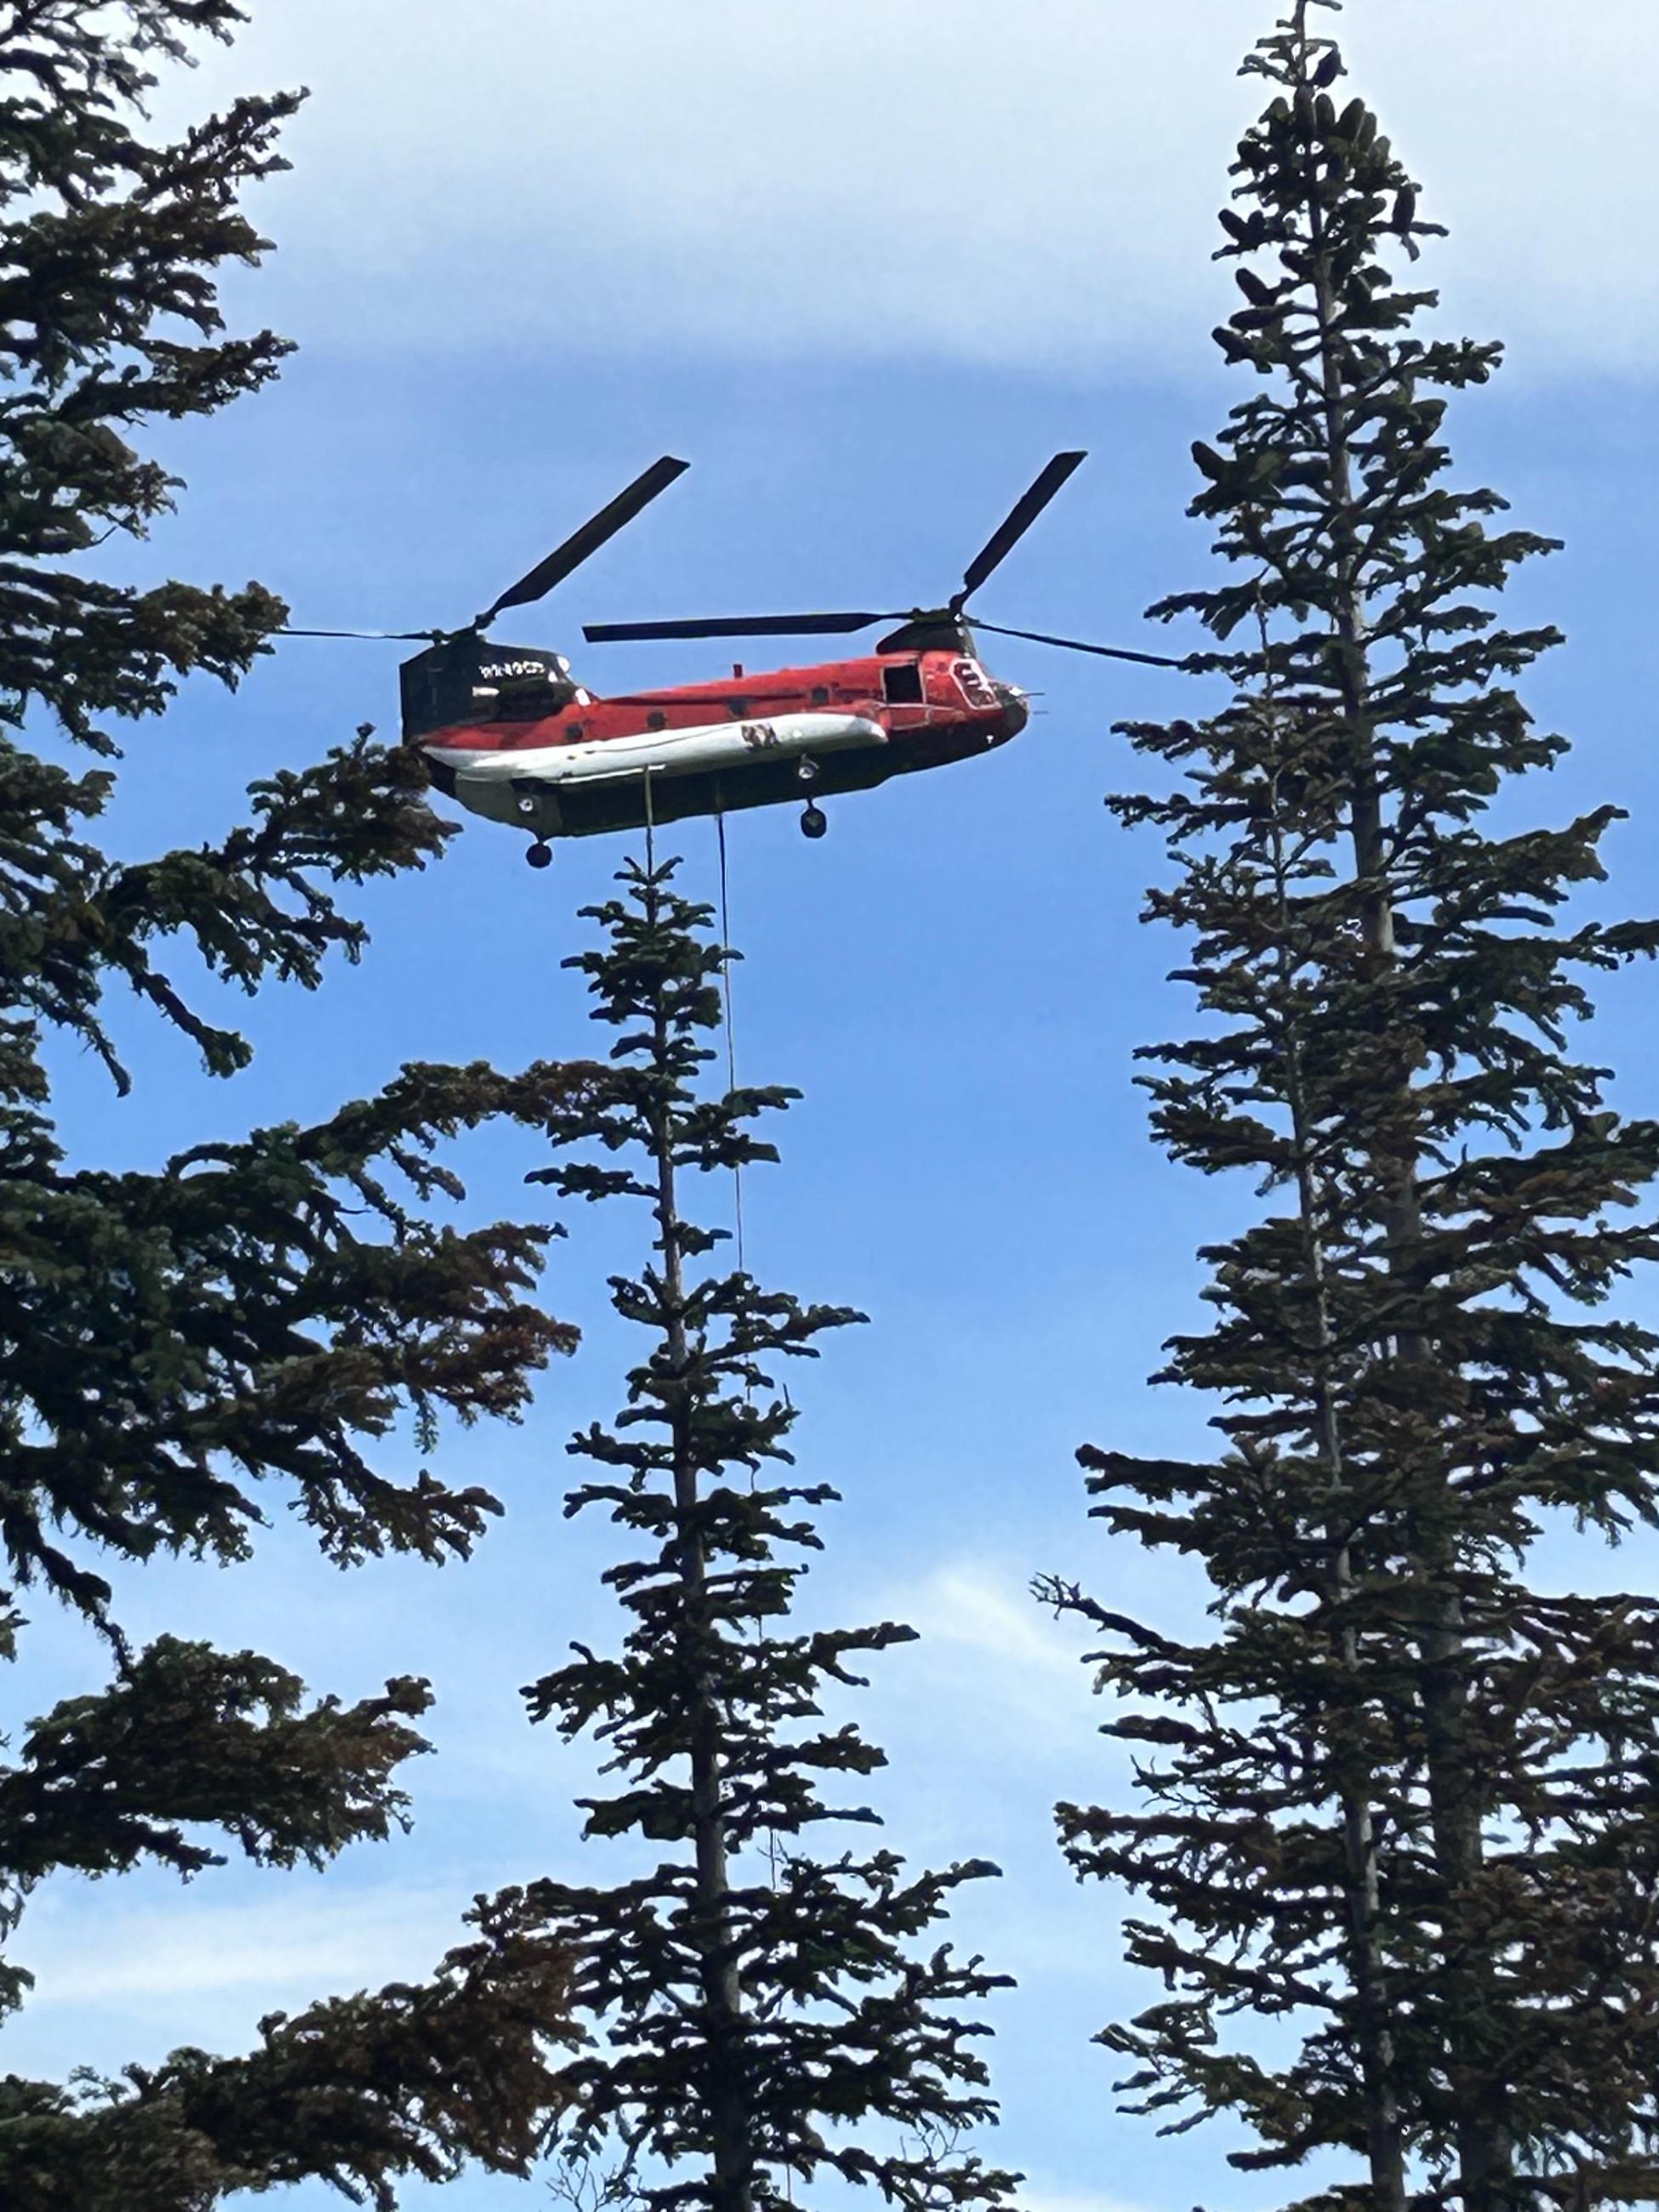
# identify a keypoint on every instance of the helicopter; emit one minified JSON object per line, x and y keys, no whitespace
{"x":508,"y":732}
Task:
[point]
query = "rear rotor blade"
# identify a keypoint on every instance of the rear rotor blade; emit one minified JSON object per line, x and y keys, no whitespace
{"x":388,"y":637}
{"x":593,"y":533}
{"x":1024,"y":513}
{"x":1076,"y":645}
{"x":734,"y":626}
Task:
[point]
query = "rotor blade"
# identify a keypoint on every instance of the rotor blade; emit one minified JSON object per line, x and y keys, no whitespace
{"x":1024,"y":513}
{"x":397,"y":636}
{"x":1076,"y":645}
{"x":733,"y":626}
{"x":594,"y":532}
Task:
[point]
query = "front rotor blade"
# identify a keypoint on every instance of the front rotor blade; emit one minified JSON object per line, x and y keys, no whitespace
{"x":1024,"y":513}
{"x":593,"y":533}
{"x":733,"y":626}
{"x":1076,"y":645}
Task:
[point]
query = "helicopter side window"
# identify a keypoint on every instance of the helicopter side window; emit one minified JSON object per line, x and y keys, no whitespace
{"x":901,"y":685}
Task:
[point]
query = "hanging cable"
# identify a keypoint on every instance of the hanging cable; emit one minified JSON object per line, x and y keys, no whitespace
{"x":774,"y":1851}
{"x":772,"y":1848}
{"x":731,"y":1035}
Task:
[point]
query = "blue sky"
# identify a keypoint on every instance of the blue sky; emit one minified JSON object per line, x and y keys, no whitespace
{"x":867,"y":269}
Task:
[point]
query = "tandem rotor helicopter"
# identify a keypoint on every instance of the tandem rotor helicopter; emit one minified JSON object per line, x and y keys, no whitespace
{"x":510,"y":734}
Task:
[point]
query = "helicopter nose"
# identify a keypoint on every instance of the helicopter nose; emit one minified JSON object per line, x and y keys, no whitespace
{"x":1016,"y":714}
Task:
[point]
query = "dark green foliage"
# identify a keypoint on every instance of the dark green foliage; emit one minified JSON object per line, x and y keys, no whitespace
{"x":763,"y":2016}
{"x":110,"y":317}
{"x":356,"y":2092}
{"x":1403,"y":1801}
{"x":177,"y":1338}
{"x":260,"y":1322}
{"x":98,"y":1772}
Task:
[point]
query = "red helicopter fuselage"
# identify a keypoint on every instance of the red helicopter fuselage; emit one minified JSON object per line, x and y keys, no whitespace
{"x":755,"y":738}
{"x":510,"y":732}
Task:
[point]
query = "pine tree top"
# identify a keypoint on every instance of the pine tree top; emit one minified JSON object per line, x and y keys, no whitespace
{"x":1388,"y":1800}
{"x":762,"y":2008}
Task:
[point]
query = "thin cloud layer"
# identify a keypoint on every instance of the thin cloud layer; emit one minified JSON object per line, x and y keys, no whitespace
{"x":276,"y":1949}
{"x":913,"y":179}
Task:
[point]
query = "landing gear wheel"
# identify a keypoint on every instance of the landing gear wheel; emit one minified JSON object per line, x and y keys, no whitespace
{"x":814,"y":822}
{"x":540,"y":854}
{"x":807,"y":771}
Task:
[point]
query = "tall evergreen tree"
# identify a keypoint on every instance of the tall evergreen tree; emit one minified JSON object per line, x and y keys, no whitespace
{"x":1401,"y":1802}
{"x":179,"y":1349}
{"x":763,"y":2015}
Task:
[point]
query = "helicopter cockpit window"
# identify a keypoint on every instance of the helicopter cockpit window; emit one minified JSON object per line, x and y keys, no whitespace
{"x":970,"y":679}
{"x":901,"y":685}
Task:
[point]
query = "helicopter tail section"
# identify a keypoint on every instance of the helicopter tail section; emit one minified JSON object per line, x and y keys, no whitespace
{"x":464,"y":681}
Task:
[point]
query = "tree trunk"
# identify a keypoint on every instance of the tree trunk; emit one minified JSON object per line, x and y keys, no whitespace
{"x":1485,"y":2152}
{"x":1362,"y":1888}
{"x":732,"y":2121}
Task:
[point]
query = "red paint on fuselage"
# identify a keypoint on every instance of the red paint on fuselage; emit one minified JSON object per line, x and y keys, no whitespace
{"x":960,"y":710}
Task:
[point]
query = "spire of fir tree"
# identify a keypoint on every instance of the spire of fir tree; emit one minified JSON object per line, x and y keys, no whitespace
{"x":764,"y":2014}
{"x":1401,"y":1804}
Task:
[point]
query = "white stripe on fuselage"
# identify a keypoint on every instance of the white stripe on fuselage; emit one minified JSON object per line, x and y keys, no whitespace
{"x":663,"y":752}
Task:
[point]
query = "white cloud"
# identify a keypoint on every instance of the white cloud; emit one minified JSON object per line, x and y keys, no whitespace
{"x":85,"y":1951}
{"x":914,"y":176}
{"x":995,"y":1686}
{"x":982,"y":1609}
{"x":1072,"y":2200}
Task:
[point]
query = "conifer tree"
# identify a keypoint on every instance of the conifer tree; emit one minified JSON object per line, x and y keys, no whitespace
{"x":763,"y":2016}
{"x":254,"y":1324}
{"x":1401,"y":1804}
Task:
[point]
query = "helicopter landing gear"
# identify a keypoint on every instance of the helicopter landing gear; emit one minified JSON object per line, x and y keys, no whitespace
{"x":814,"y":822}
{"x":806,"y":771}
{"x":540,"y":854}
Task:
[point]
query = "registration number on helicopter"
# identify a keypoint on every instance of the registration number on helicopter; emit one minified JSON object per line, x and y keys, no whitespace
{"x":493,"y":672}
